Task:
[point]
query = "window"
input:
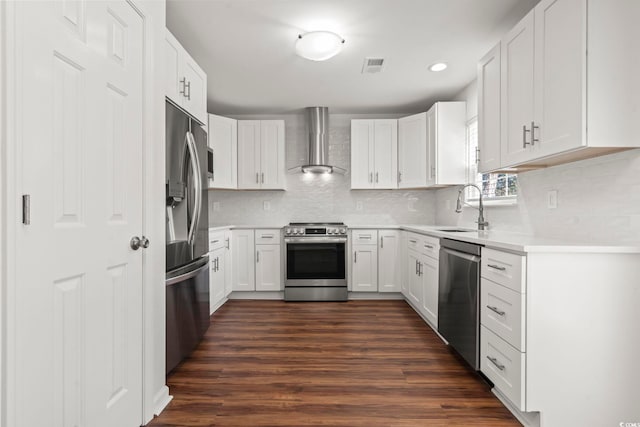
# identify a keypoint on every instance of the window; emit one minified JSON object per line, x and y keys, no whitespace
{"x":499,"y":188}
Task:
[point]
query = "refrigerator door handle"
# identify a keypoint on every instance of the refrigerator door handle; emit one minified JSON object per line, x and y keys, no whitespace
{"x":195,"y":167}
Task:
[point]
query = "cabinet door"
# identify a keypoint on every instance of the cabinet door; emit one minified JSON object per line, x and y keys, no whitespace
{"x":268,"y":272}
{"x":272,"y":156}
{"x":432,"y":135}
{"x":414,"y":282}
{"x":362,"y":154}
{"x":216,"y":279}
{"x":248,"y":154}
{"x":412,"y":151}
{"x":389,"y":266}
{"x":172,"y":54}
{"x":365,"y":268}
{"x":517,"y":92}
{"x":223,"y":140}
{"x":385,"y":149}
{"x":429,"y":276}
{"x":243,"y":255}
{"x":560,"y":73}
{"x":195,"y":100}
{"x":488,"y":155}
{"x":228,"y":264}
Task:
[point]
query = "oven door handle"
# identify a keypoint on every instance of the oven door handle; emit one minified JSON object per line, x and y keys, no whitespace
{"x":314,"y":240}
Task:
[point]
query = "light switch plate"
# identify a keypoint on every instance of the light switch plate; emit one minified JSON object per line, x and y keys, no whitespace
{"x":552,"y":199}
{"x":266,"y":205}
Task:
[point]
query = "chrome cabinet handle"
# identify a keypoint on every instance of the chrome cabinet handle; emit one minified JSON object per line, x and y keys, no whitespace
{"x":376,"y":177}
{"x":495,"y":310}
{"x":227,"y":243}
{"x":183,"y":91}
{"x":370,"y":176}
{"x":257,"y":178}
{"x":413,"y":241}
{"x":497,"y":267}
{"x":214,"y":241}
{"x":188,"y":94}
{"x":428,"y":246}
{"x":262,"y":177}
{"x":417,"y":268}
{"x":399,"y":176}
{"x":433,"y":171}
{"x":266,"y":236}
{"x":257,"y":256}
{"x":495,"y":362}
{"x":365,"y":236}
{"x":381,"y":242}
{"x":355,"y":257}
{"x":477,"y":155}
{"x":533,"y":133}
{"x":524,"y":136}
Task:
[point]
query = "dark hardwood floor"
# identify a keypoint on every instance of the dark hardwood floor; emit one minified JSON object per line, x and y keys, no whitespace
{"x":359,"y":363}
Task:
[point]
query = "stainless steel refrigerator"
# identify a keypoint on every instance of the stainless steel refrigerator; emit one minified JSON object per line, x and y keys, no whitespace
{"x":187,"y":222}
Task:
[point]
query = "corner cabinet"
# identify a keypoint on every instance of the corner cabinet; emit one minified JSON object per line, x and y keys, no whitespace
{"x":186,"y":82}
{"x":261,"y":155}
{"x":374,"y":152}
{"x":431,"y":147}
{"x":422,"y":275}
{"x":552,"y":91}
{"x":223,"y":141}
{"x":219,"y":268}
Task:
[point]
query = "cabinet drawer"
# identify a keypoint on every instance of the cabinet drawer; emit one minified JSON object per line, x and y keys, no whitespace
{"x":364,"y":237}
{"x":414,"y":241}
{"x":504,"y":268}
{"x":430,"y":246}
{"x":504,"y":366}
{"x":502,"y":311}
{"x":216,"y":240}
{"x":268,"y":236}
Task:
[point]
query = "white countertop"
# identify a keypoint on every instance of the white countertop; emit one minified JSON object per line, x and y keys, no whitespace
{"x":509,"y":241}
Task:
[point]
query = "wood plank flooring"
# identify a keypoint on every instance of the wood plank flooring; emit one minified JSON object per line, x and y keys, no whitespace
{"x":358,"y":363}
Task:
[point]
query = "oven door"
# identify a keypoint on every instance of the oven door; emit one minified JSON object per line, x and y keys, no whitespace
{"x":315,"y":261}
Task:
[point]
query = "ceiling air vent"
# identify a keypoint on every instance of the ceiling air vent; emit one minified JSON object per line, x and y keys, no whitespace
{"x":372,"y":65}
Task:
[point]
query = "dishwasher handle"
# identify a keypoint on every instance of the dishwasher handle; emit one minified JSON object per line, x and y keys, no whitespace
{"x":468,"y":257}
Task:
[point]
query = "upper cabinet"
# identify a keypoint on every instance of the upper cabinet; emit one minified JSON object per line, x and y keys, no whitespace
{"x":431,"y":147}
{"x":568,"y":85}
{"x":223,"y":141}
{"x":374,"y":150}
{"x":261,"y":155}
{"x":186,"y":82}
{"x":488,"y":154}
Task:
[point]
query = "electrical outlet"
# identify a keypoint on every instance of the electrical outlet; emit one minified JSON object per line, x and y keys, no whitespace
{"x":216,"y":206}
{"x":359,"y":206}
{"x":552,"y":199}
{"x":266,"y":205}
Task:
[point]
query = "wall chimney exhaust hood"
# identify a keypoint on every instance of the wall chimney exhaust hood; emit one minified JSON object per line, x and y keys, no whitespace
{"x":318,"y":126}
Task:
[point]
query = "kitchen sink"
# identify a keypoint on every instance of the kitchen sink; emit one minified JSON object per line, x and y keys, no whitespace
{"x":455,"y":230}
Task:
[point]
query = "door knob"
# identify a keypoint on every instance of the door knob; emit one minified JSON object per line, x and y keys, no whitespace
{"x":137,"y":243}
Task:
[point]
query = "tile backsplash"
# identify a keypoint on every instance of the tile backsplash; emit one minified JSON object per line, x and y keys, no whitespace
{"x":320,"y":197}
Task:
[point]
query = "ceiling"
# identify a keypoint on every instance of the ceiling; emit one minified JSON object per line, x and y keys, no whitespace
{"x":246,"y":47}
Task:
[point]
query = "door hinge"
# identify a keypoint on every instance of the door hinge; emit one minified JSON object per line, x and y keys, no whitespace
{"x":26,"y":209}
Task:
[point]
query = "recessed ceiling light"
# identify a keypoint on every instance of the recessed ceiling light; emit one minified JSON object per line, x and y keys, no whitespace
{"x":438,"y":66}
{"x":319,"y":45}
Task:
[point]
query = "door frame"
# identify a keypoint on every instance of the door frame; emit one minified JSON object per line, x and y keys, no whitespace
{"x":155,"y":393}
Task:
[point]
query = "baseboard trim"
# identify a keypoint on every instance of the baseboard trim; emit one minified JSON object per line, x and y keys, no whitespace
{"x":279,"y":295}
{"x":218,"y":305}
{"x":161,"y":400}
{"x":273,"y":295}
{"x":527,"y":419}
{"x":375,"y":296}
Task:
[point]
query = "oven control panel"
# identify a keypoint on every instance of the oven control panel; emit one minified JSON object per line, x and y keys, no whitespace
{"x":310,"y":231}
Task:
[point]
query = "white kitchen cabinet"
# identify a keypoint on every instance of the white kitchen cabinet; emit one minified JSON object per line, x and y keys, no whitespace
{"x":228,"y":264}
{"x":405,"y":273}
{"x":415,"y":281}
{"x":217,"y":278}
{"x":243,"y":259}
{"x":268,"y":268}
{"x":412,"y":151}
{"x":488,"y":152}
{"x":261,"y":155}
{"x":223,"y":140}
{"x":431,"y":147}
{"x":364,"y":261}
{"x":186,"y":82}
{"x":552,"y":91}
{"x":389,"y":261}
{"x":374,"y":151}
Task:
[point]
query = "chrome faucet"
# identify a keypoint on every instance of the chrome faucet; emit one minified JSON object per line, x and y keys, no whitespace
{"x":481,"y":222}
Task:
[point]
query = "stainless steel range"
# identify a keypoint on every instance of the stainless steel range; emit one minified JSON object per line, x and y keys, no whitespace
{"x":315,"y":262}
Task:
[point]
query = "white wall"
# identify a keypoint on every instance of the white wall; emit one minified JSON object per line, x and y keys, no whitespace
{"x":598,"y":199}
{"x":320,"y":197}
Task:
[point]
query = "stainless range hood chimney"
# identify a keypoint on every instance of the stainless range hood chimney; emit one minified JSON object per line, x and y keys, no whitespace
{"x":318,"y":126}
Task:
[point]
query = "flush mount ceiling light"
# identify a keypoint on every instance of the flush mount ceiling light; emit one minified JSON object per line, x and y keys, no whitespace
{"x":319,"y":45}
{"x":438,"y":66}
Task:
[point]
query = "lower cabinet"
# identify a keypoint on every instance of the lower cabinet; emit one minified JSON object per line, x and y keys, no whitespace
{"x":257,"y":260}
{"x":268,"y":271}
{"x":421,"y":275}
{"x":414,"y":282}
{"x":243,"y":250}
{"x":364,"y":268}
{"x":217,"y":278}
{"x":389,"y":261}
{"x":429,"y":276}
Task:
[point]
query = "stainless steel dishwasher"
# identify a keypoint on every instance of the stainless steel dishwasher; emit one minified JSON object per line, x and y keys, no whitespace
{"x":458,"y":298}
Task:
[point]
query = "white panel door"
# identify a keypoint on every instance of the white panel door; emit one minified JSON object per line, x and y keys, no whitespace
{"x":560,"y":75}
{"x":414,"y":284}
{"x":432,"y":142}
{"x":216,"y":278}
{"x":272,"y":167}
{"x":429,"y":279}
{"x":223,"y":140}
{"x":365,"y":268}
{"x":248,"y":154}
{"x":389,"y":267}
{"x":228,"y":264}
{"x":78,"y":314}
{"x":488,"y":156}
{"x":385,"y":148}
{"x":195,"y":99}
{"x":362,"y":155}
{"x":268,"y":272}
{"x":412,"y":151}
{"x":517,"y":92}
{"x":243,"y":255}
